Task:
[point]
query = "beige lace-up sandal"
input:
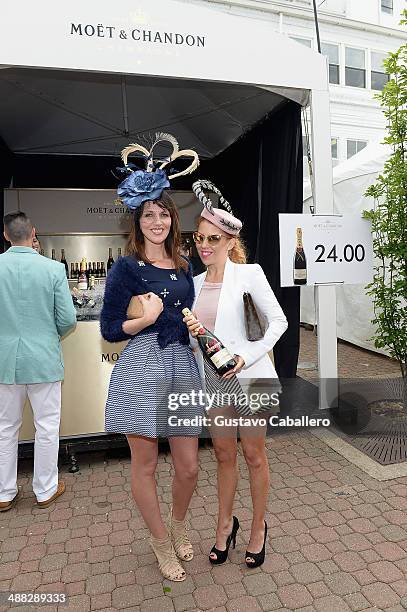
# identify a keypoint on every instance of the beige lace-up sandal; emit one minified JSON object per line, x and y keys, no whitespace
{"x":179,"y":538}
{"x":168,"y":563}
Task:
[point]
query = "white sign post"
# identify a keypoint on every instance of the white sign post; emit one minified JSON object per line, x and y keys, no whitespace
{"x":337,"y":249}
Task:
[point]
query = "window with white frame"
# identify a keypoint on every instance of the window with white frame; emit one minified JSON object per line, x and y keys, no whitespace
{"x":387,"y":6}
{"x":303,"y":41}
{"x":354,"y":146}
{"x":378,"y":76}
{"x":334,"y":148}
{"x":332,"y":53}
{"x":355,"y":67}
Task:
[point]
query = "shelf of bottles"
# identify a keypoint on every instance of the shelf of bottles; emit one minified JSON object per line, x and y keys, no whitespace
{"x":87,"y":283}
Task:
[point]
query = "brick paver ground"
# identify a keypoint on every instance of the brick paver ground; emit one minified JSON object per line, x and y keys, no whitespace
{"x":338,"y":538}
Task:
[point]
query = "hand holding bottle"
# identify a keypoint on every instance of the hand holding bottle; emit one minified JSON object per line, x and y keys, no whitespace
{"x":192,"y":323}
{"x":238,"y":367}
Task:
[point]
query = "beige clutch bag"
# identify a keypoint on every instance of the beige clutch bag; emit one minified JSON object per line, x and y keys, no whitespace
{"x":135,"y":307}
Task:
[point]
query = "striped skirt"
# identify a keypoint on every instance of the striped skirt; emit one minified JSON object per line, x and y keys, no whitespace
{"x":243,"y":399}
{"x":144,"y":388}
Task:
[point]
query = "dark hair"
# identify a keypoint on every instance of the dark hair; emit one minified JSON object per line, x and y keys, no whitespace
{"x":135,"y":243}
{"x":17,"y":226}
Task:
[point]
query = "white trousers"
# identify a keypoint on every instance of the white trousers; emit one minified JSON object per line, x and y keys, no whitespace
{"x":45,"y":399}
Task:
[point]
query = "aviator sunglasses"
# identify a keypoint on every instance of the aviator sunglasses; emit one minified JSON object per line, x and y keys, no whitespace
{"x":212,"y":239}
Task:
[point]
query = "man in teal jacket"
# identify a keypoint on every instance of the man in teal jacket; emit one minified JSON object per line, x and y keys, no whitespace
{"x":36,"y":309}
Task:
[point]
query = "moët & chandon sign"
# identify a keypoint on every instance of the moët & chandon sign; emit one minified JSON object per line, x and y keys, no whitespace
{"x":142,"y":35}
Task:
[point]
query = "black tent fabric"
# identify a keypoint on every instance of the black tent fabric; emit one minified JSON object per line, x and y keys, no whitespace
{"x":262,"y":175}
{"x":281,"y":192}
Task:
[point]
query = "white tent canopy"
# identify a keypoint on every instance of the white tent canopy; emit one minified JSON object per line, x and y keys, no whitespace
{"x":106,"y":89}
{"x":239,"y":65}
{"x":350,"y":181}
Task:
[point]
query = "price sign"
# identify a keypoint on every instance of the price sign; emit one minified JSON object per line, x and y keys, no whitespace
{"x":325,"y":249}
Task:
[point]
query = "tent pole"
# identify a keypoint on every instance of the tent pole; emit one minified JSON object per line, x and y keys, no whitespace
{"x":316,"y":25}
{"x":325,"y":295}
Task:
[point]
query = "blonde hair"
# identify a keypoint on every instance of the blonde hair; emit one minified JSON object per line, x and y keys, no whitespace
{"x":238,"y":253}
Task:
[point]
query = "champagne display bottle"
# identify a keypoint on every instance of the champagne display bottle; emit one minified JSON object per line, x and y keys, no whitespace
{"x":110,"y":261}
{"x":83,"y":278}
{"x":102,"y":270}
{"x":300,"y":261}
{"x":63,"y":261}
{"x":72,"y":270}
{"x":119,"y":253}
{"x":53,"y":254}
{"x":98,"y":269}
{"x":212,"y":348}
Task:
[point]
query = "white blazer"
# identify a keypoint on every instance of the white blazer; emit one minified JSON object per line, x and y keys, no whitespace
{"x":230,"y":325}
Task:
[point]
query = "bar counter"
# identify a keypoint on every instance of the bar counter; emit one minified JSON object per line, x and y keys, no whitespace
{"x":89,"y":360}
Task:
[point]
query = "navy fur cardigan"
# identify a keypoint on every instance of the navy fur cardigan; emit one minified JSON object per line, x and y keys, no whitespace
{"x":123,"y":281}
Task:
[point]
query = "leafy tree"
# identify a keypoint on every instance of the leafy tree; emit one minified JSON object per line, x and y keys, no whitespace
{"x":389,"y":217}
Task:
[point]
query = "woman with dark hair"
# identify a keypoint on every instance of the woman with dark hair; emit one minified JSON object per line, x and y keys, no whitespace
{"x":157,"y":362}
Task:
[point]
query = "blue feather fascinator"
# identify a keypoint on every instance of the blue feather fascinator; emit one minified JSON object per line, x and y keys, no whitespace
{"x":140,"y":185}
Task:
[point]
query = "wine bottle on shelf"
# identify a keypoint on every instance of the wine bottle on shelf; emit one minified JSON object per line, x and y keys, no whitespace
{"x":300,"y":261}
{"x":212,"y":349}
{"x":119,"y":253}
{"x":76,"y":271}
{"x":83,"y":279}
{"x":63,"y":261}
{"x":72,"y":270}
{"x":102,"y":270}
{"x":98,"y":269}
{"x":89,"y":271}
{"x":53,"y":254}
{"x":110,"y":260}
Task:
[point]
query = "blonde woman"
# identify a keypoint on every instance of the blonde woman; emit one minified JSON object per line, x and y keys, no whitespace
{"x":219,"y":307}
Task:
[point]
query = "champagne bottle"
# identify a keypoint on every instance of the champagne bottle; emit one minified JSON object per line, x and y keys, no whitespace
{"x":76,"y":271}
{"x":102,"y":270}
{"x":119,"y":253}
{"x":72,"y":270}
{"x":83,"y":279}
{"x":300,"y":261}
{"x":63,"y":261}
{"x":53,"y":254}
{"x":98,"y":269}
{"x":213,"y":350}
{"x":110,"y":261}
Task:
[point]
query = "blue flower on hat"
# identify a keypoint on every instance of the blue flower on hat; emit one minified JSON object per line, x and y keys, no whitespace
{"x":141,"y":186}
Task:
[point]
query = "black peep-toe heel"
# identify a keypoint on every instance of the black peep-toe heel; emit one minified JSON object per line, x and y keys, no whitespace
{"x":222,"y":555}
{"x":258,"y":558}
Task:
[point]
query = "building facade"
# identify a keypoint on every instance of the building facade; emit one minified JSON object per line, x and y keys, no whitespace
{"x":355,"y":36}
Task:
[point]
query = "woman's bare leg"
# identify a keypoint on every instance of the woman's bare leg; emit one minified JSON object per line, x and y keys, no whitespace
{"x":144,"y":456}
{"x":253,"y":445}
{"x":184,"y":451}
{"x":224,"y":441}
